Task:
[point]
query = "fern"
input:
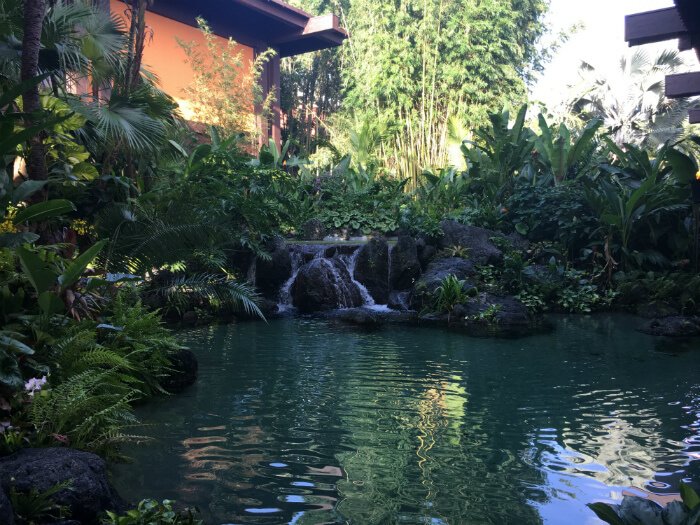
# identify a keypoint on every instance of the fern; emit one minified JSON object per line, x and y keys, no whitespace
{"x":88,"y":409}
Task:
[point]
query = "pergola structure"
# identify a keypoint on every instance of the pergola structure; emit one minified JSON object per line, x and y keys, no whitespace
{"x":681,"y":22}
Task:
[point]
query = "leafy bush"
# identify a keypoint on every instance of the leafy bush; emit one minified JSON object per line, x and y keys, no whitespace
{"x":450,"y":293}
{"x":552,"y":213}
{"x":150,"y":512}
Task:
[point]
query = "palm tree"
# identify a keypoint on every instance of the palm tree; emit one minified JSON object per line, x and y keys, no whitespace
{"x":631,"y":101}
{"x":34,"y":12}
{"x":80,"y":42}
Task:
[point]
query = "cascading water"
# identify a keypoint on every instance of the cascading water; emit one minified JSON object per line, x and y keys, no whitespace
{"x":350,"y":261}
{"x":338,"y":262}
{"x":285,"y":296}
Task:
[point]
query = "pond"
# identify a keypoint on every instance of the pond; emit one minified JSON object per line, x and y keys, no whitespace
{"x":303,"y":421}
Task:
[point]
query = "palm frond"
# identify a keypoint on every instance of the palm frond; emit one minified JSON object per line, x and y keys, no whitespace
{"x":214,"y":288}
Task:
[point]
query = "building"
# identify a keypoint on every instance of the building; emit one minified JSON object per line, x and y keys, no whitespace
{"x":256,"y":25}
{"x":682,"y":22}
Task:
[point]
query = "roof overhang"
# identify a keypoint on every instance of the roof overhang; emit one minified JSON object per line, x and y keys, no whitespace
{"x":259,"y":23}
{"x":681,"y":22}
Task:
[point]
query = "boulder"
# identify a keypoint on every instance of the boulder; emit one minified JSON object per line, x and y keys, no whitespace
{"x":673,"y":326}
{"x":477,"y":241}
{"x":313,"y":230}
{"x":405,"y":266}
{"x":90,"y":493}
{"x":271,"y":274}
{"x":324,"y":284}
{"x":400,"y":301}
{"x":426,"y":251}
{"x":7,"y":516}
{"x":183,"y":371}
{"x":359,"y":317}
{"x":491,"y":316}
{"x":372,"y":269}
{"x":656,"y":309}
{"x":190,"y":318}
{"x":436,"y":271}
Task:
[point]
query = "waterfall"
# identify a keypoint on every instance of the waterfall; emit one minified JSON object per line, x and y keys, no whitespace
{"x":284,"y":302}
{"x":388,"y":263}
{"x":337,"y":263}
{"x":350,"y":262}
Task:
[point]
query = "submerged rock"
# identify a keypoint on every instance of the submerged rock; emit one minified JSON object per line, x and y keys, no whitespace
{"x":405,"y":266}
{"x":367,"y":318}
{"x":372,"y":269}
{"x":477,"y":241}
{"x":422,"y":294}
{"x":324,"y":284}
{"x":673,"y":326}
{"x":90,"y":493}
{"x":183,"y":371}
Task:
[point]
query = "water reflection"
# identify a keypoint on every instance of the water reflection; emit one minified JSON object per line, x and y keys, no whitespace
{"x":302,"y":422}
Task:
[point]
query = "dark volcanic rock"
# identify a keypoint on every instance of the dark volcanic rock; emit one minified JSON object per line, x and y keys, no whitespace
{"x":405,"y":266}
{"x":400,"y":301}
{"x":270,"y":275}
{"x":491,"y":316}
{"x":426,"y":251}
{"x":190,"y":318}
{"x":476,"y":240}
{"x":183,"y":371}
{"x":368,"y":318}
{"x":372,"y":269}
{"x":433,"y":276}
{"x":324,"y":284}
{"x":89,"y":494}
{"x":656,"y":310}
{"x":674,"y":326}
{"x":7,"y":516}
{"x":313,"y":230}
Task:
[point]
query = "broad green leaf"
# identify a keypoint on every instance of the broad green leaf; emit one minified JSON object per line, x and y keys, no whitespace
{"x":684,"y":167}
{"x":36,"y":270}
{"x":179,"y":148}
{"x":78,"y":265}
{"x":14,"y":344}
{"x":44,"y":210}
{"x":689,"y":496}
{"x":85,"y":171}
{"x":13,"y":240}
{"x":50,"y":303}
{"x":26,"y":190}
{"x":606,"y":513}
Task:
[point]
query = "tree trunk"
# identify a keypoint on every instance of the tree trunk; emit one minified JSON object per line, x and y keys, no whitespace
{"x":34,"y":12}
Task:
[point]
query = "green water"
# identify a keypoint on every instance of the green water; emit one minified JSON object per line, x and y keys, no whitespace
{"x":302,"y":421}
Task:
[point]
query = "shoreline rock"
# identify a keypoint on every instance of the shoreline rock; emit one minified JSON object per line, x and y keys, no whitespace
{"x":90,"y":493}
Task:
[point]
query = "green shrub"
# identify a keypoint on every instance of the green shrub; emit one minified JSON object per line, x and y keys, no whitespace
{"x":150,"y":512}
{"x":451,"y":292}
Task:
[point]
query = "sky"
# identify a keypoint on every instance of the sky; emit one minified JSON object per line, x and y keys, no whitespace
{"x":600,"y":40}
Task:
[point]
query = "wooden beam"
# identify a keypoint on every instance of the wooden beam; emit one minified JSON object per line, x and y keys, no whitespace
{"x":654,"y":26}
{"x":694,"y":115}
{"x":683,"y":85}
